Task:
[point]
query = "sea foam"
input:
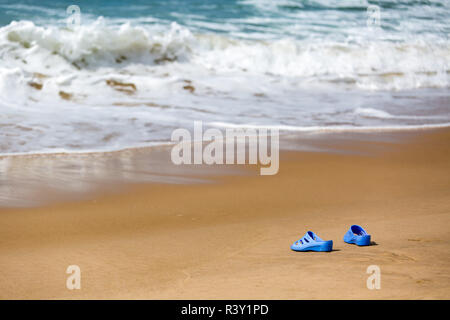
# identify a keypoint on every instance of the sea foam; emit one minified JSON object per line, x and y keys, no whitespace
{"x":105,"y":86}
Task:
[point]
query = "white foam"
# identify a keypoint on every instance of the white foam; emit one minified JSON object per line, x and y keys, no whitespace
{"x":374,"y":65}
{"x":342,"y":128}
{"x":380,"y":114}
{"x":180,"y":76}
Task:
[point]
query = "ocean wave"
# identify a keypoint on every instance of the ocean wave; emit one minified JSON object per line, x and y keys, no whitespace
{"x":96,"y":44}
{"x":105,"y":86}
{"x":338,"y":4}
{"x":371,"y":65}
{"x":338,"y":128}
{"x":305,"y":4}
{"x":381,"y":114}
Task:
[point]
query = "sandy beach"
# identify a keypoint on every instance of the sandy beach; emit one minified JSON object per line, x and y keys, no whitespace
{"x":230,"y":239}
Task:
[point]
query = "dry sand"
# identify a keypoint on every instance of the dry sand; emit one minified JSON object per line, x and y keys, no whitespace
{"x":230,"y":239}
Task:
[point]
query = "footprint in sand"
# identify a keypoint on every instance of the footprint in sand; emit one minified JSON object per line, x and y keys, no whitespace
{"x":424,"y":281}
{"x":424,"y":240}
{"x":397,"y":257}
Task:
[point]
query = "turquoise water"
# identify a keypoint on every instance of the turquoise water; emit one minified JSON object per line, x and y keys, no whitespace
{"x":300,"y":19}
{"x":133,"y":71}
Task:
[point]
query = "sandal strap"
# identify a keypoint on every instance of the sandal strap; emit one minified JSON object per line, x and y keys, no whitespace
{"x":305,"y":239}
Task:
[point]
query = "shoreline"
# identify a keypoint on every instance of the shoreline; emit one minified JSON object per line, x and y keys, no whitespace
{"x":307,"y":130}
{"x":86,"y":175}
{"x":230,"y":239}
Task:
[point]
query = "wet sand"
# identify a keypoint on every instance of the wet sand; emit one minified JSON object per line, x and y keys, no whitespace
{"x":230,"y":239}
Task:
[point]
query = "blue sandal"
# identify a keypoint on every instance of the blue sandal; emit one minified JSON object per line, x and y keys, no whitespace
{"x":312,"y":242}
{"x":357,"y":235}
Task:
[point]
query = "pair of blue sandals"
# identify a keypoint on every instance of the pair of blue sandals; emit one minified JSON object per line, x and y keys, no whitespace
{"x":312,"y":242}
